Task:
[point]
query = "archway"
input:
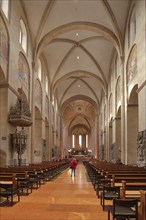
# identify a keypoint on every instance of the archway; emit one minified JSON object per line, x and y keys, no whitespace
{"x":79,"y":125}
{"x":132,"y":126}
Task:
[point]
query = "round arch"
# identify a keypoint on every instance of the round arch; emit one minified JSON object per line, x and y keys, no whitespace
{"x":79,"y":97}
{"x":79,"y":25}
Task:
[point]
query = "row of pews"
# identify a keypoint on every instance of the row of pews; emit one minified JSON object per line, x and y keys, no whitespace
{"x":130,"y":179}
{"x":16,"y":181}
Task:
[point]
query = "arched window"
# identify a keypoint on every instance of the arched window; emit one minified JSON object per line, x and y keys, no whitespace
{"x":73,"y":140}
{"x":86,"y":140}
{"x":39,"y":70}
{"x":132,"y":28}
{"x":80,"y":140}
{"x":23,"y":36}
{"x":5,"y":7}
{"x":46,"y":84}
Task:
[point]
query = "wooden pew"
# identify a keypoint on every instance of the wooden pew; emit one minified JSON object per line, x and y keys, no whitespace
{"x":130,"y":179}
{"x":142,"y":207}
{"x":13,"y":179}
{"x":132,"y":189}
{"x":141,"y":196}
{"x":112,"y":167}
{"x":36,"y":173}
{"x":22,"y":179}
{"x":8,"y":188}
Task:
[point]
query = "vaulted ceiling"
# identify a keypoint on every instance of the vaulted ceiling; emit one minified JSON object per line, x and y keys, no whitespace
{"x":77,"y":39}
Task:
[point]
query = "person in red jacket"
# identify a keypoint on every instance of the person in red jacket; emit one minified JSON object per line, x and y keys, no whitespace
{"x":73,"y":166}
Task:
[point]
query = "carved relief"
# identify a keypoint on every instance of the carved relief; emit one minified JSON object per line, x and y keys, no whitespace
{"x":44,"y":150}
{"x":20,"y":114}
{"x":112,"y":152}
{"x":141,"y":147}
{"x":102,"y":151}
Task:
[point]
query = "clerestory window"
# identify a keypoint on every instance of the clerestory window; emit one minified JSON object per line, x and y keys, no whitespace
{"x":5,"y":5}
{"x":23,"y":36}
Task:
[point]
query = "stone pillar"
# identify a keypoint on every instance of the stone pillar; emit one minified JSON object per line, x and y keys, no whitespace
{"x":96,"y":125}
{"x":118,"y":137}
{"x":5,"y":157}
{"x":105,"y":145}
{"x":47,"y":141}
{"x":34,"y":72}
{"x":61,"y":138}
{"x":123,"y":113}
{"x":110,"y":141}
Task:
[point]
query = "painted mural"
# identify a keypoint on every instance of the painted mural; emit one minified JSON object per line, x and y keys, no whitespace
{"x":38,"y":94}
{"x":4,"y":46}
{"x":23,"y":70}
{"x":132,"y":65}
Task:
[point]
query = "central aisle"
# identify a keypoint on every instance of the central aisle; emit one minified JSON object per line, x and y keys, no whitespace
{"x":65,"y":198}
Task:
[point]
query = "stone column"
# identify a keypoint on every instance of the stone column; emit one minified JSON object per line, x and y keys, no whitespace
{"x":61,"y":138}
{"x":118,"y":137}
{"x":123,"y":113}
{"x":34,"y":72}
{"x":97,"y":135}
{"x":110,"y":141}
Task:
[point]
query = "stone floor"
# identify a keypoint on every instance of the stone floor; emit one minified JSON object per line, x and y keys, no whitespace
{"x":65,"y":198}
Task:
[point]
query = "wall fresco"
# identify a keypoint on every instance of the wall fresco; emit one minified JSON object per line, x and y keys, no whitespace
{"x":23,"y":70}
{"x":4,"y":46}
{"x":132,"y":65}
{"x":38,"y":94}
